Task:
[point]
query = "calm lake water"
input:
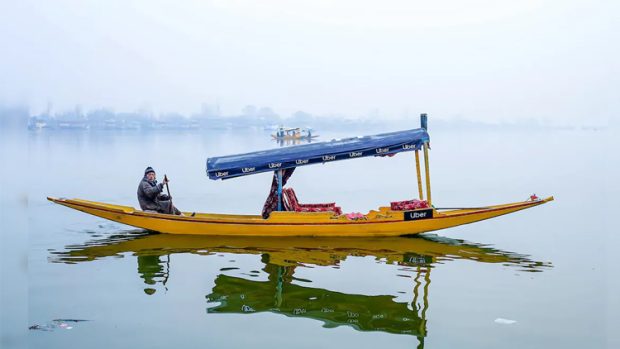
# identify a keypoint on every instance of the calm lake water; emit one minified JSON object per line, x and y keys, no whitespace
{"x":540,"y":278}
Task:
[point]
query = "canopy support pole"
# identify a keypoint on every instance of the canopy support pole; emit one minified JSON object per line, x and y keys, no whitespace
{"x":417,"y":168}
{"x":424,"y":125}
{"x":428,"y":175}
{"x":279,"y":173}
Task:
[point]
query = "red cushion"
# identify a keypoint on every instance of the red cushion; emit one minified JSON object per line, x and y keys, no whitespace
{"x":292,"y":194}
{"x":291,"y":198}
{"x":337,"y":210}
{"x":408,"y":205}
{"x":292,"y":202}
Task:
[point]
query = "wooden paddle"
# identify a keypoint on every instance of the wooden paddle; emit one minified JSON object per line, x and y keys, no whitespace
{"x":170,"y":196}
{"x":168,"y":190}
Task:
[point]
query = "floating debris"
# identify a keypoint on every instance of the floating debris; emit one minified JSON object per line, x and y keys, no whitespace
{"x":56,"y":324}
{"x":499,"y":320}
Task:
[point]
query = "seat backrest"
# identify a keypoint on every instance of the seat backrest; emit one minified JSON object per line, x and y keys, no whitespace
{"x":294,"y":195}
{"x":285,"y":202}
{"x":291,"y":199}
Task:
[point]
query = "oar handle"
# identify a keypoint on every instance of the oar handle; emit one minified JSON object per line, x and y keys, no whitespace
{"x":167,"y":188}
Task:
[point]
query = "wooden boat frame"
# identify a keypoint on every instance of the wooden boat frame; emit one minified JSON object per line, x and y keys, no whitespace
{"x":381,"y":222}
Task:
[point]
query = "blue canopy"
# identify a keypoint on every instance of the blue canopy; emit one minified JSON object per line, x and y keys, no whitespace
{"x":224,"y":167}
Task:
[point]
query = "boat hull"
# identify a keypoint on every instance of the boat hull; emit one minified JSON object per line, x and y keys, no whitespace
{"x":382,"y":222}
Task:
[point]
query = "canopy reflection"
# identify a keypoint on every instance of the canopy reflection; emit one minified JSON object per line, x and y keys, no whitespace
{"x":283,"y":293}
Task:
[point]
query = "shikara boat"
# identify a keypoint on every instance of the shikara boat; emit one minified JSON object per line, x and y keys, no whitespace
{"x":283,"y":215}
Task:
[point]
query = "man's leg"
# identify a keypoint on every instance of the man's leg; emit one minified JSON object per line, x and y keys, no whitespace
{"x":164,"y":206}
{"x":168,"y":207}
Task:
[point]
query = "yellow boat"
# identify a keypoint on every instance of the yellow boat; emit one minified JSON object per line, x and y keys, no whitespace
{"x":382,"y":222}
{"x":285,"y":217}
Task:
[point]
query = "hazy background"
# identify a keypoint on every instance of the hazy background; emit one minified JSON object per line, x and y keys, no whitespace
{"x":485,"y":60}
{"x":549,"y":65}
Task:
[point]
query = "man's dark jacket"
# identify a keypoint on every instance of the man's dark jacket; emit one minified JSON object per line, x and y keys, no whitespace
{"x":147,"y":194}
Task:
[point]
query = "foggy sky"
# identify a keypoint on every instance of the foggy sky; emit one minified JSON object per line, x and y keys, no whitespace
{"x":484,"y":60}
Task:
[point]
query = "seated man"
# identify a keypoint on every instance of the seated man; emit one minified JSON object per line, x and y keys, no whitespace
{"x":150,"y":195}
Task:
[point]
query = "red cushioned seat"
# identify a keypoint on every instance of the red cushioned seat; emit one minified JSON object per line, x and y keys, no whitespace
{"x":408,"y":205}
{"x":294,"y":196}
{"x":291,"y":203}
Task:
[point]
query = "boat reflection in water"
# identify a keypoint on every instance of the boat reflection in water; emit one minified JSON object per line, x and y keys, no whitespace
{"x":283,"y":293}
{"x":289,"y":142}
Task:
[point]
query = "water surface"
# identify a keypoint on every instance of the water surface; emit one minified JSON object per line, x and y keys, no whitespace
{"x":548,"y":268}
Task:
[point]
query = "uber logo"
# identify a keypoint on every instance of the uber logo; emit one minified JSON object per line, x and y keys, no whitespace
{"x":418,"y":214}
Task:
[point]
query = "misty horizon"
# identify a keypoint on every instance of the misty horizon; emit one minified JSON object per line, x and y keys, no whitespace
{"x":554,"y":62}
{"x":252,"y":116}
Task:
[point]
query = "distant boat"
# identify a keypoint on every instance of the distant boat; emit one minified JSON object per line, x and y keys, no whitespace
{"x":283,"y":133}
